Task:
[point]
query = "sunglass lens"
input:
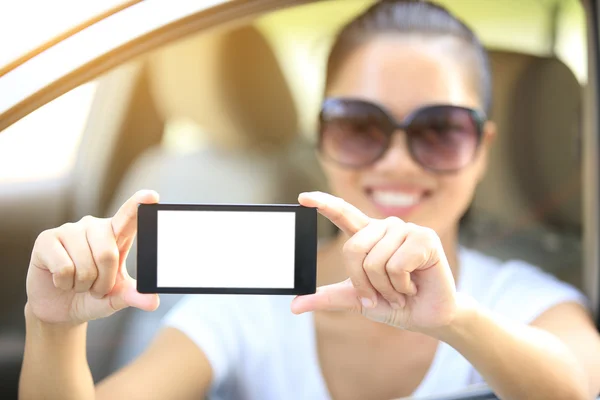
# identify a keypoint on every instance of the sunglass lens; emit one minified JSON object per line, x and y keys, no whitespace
{"x":353,"y":133}
{"x":444,"y":138}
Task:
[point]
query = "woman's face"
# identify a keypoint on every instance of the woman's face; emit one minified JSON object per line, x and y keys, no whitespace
{"x":402,"y":75}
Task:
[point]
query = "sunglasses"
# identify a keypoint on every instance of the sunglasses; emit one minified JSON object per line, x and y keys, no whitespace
{"x":440,"y":138}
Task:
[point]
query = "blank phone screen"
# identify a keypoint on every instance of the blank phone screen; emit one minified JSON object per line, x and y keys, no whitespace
{"x":225,"y":249}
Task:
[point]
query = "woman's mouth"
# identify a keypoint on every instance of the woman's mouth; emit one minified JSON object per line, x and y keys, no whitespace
{"x":397,"y":202}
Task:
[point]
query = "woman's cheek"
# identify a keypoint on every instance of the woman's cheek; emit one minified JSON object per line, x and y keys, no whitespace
{"x":344,"y":183}
{"x":454,"y":200}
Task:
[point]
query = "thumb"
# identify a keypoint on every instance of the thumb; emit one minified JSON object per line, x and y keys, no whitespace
{"x":124,"y":222}
{"x":125,"y":294}
{"x":337,"y":297}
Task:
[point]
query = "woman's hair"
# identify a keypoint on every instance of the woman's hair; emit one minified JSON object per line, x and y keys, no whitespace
{"x":414,"y":18}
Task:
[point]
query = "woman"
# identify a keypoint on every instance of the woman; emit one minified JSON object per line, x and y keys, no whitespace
{"x":403,"y":141}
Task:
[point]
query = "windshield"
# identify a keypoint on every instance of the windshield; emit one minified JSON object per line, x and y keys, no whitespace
{"x":51,"y":19}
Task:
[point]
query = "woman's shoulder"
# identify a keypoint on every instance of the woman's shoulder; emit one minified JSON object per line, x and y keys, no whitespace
{"x":480,"y":268}
{"x":514,"y":288}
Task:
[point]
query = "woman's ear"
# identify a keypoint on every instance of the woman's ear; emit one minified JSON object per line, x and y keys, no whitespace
{"x":489,"y":132}
{"x":487,"y":139}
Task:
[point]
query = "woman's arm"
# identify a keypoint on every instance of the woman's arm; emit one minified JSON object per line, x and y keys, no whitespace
{"x":572,"y":324}
{"x":55,"y":367}
{"x":529,"y":362}
{"x":55,"y":364}
{"x":399,"y":275}
{"x":173,"y":367}
{"x":77,"y":273}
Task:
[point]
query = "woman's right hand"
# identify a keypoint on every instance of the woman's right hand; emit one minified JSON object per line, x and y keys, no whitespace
{"x":77,"y":271}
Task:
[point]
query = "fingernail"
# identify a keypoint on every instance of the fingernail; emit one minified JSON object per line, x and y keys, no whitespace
{"x":366,"y":302}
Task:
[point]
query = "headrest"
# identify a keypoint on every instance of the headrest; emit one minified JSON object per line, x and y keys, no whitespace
{"x":534,"y":171}
{"x":548,"y":103}
{"x":229,"y":84}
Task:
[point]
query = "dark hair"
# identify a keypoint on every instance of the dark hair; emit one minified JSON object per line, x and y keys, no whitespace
{"x":411,"y":17}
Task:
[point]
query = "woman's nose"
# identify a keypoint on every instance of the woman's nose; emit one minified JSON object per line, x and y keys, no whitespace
{"x":397,"y":157}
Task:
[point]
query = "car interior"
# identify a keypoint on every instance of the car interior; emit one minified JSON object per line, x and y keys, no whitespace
{"x":228,"y":116}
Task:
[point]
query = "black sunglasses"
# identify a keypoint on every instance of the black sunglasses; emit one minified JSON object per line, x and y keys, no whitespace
{"x":441,"y":138}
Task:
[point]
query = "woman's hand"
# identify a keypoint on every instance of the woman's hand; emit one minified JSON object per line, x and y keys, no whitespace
{"x":77,"y":271}
{"x":399,"y":274}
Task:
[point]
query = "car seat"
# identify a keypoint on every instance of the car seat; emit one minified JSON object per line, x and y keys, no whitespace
{"x":228,"y":90}
{"x":529,"y":204}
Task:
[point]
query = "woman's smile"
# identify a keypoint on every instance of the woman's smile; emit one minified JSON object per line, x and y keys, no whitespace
{"x":397,"y":199}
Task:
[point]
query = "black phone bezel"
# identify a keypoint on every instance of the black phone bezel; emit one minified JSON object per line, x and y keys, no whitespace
{"x":305,"y":261}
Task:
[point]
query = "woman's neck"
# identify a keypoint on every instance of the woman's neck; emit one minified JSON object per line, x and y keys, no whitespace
{"x":331,"y":268}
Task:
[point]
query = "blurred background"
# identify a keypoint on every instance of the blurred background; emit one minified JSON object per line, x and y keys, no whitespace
{"x":229,"y":115}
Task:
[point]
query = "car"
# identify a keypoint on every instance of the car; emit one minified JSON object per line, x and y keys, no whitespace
{"x":198,"y":99}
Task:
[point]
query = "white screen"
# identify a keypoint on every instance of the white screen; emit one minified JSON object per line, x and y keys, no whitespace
{"x":235,"y":249}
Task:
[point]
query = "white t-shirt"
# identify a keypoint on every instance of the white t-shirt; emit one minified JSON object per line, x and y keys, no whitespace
{"x":259,"y":350}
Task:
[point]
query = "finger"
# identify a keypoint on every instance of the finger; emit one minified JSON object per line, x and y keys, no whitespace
{"x":124,"y":223}
{"x":415,"y":254}
{"x":375,"y":264}
{"x":344,"y":215}
{"x":122,"y":295}
{"x":355,"y":251}
{"x":337,"y":297}
{"x":49,"y":254}
{"x":125,"y":294}
{"x":421,"y":249}
{"x":106,"y":256}
{"x":382,"y":283}
{"x":401,"y":280}
{"x":73,"y":238}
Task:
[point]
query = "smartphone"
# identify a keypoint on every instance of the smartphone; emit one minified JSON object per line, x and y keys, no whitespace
{"x":226,"y":249}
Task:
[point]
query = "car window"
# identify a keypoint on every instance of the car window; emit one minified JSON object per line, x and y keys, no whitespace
{"x":570,"y":41}
{"x":44,"y":144}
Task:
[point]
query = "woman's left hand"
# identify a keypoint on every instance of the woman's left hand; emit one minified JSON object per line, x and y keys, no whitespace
{"x":399,"y":274}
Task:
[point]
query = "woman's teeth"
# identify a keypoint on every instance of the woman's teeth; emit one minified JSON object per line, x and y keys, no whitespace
{"x":395,"y":199}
